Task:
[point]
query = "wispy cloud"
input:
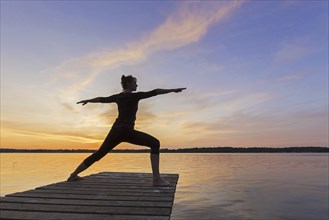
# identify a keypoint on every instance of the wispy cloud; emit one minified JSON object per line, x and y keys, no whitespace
{"x":40,"y":132}
{"x":294,"y":50}
{"x":292,"y":76}
{"x":245,"y":101}
{"x":185,"y":26}
{"x":252,"y":129}
{"x":69,"y":108}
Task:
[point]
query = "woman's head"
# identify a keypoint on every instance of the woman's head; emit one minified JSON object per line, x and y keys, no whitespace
{"x":129,"y":83}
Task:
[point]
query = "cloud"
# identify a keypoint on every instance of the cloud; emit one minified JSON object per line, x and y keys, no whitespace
{"x":244,"y":101}
{"x":292,"y":51}
{"x":40,"y":132}
{"x":69,"y":107}
{"x":145,"y":116}
{"x":108,"y":115}
{"x":232,"y":112}
{"x":299,"y":128}
{"x":185,"y":26}
{"x":292,"y":76}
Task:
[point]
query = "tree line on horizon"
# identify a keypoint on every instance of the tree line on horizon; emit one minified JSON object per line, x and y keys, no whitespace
{"x":309,"y":149}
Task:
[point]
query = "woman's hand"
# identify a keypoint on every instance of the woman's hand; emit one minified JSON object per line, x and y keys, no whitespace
{"x":178,"y":89}
{"x":83,"y":102}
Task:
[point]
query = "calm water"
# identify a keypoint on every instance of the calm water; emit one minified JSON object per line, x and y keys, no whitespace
{"x":211,"y":186}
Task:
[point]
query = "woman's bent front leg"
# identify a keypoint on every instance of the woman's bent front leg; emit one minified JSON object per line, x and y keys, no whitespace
{"x":141,"y":138}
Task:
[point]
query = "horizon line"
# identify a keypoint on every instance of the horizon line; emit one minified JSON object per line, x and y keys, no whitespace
{"x":193,"y":149}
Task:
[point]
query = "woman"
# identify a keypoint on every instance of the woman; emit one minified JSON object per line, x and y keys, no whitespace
{"x":123,"y":128}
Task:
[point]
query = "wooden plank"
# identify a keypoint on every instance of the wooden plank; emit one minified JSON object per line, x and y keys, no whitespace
{"x":106,"y":195}
{"x":111,"y":184}
{"x":113,"y":203}
{"x":28,"y":215}
{"x":128,"y":176}
{"x":139,"y":182}
{"x":153,"y":211}
{"x":83,"y":187}
{"x":122,"y":181}
{"x":116,"y":188}
{"x":134,"y":174}
{"x":82,"y":184}
{"x":106,"y":192}
{"x":36,"y":194}
{"x":93,"y":176}
{"x":137,"y":179}
{"x":139,"y":176}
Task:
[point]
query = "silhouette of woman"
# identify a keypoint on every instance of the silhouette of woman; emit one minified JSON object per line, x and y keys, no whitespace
{"x":123,"y":127}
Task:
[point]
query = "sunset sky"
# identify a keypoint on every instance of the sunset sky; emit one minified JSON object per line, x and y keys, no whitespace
{"x":256,"y":72}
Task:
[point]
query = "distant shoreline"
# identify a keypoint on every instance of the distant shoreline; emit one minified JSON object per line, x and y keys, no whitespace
{"x":185,"y":150}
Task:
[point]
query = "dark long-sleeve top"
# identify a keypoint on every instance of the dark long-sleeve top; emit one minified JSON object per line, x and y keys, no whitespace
{"x":127,"y":106}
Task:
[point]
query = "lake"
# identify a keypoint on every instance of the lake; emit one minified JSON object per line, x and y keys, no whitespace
{"x":211,"y":186}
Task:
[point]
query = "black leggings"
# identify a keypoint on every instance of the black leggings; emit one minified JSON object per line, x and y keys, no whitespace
{"x":123,"y":134}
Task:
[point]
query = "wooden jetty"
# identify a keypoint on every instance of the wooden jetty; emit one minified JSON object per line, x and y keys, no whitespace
{"x":106,"y":195}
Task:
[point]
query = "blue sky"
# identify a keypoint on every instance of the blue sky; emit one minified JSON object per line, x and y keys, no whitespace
{"x":256,"y":71}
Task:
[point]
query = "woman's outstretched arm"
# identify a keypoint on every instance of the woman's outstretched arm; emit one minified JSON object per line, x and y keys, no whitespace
{"x":99,"y":100}
{"x":165,"y":91}
{"x":94,"y":100}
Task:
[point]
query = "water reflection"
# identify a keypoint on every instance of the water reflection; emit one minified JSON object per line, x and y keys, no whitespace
{"x":211,"y":186}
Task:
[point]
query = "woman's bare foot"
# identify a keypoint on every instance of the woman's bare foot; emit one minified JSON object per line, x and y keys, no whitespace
{"x":74,"y":178}
{"x":161,"y":182}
